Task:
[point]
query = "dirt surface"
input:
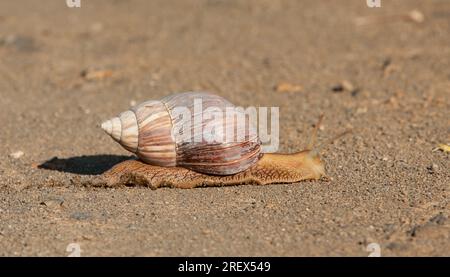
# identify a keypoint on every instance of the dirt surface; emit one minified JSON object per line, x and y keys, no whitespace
{"x":64,"y":70}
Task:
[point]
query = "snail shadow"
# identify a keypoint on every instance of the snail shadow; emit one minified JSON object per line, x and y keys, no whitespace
{"x":84,"y":165}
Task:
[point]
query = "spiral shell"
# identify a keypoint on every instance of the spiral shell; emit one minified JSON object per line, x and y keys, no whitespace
{"x":151,"y":130}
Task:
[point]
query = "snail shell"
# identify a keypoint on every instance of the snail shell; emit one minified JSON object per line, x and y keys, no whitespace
{"x":151,"y":130}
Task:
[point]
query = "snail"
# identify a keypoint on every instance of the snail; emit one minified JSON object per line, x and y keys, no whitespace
{"x":171,"y":153}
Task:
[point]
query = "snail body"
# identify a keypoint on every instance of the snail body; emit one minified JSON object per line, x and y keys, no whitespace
{"x":272,"y":168}
{"x":165,"y":159}
{"x":157,"y":133}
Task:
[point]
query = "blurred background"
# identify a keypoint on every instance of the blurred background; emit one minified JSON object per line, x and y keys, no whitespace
{"x":384,"y":72}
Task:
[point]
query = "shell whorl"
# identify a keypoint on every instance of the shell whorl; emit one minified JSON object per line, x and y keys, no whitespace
{"x":146,"y":131}
{"x":155,"y":142}
{"x":124,"y":130}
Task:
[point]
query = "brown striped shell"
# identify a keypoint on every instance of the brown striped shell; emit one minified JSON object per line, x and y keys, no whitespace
{"x":156,"y":133}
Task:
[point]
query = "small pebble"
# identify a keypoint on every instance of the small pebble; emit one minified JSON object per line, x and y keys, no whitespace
{"x":86,"y":237}
{"x":361,"y":110}
{"x":80,"y":216}
{"x":19,"y":42}
{"x":16,"y":155}
{"x":96,"y":75}
{"x":345,"y":85}
{"x":432,"y":168}
{"x":438,"y":219}
{"x":337,"y":88}
{"x":288,"y":87}
{"x":416,"y":16}
{"x":52,"y":203}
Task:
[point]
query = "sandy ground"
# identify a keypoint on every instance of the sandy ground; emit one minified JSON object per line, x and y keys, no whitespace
{"x":387,"y":187}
